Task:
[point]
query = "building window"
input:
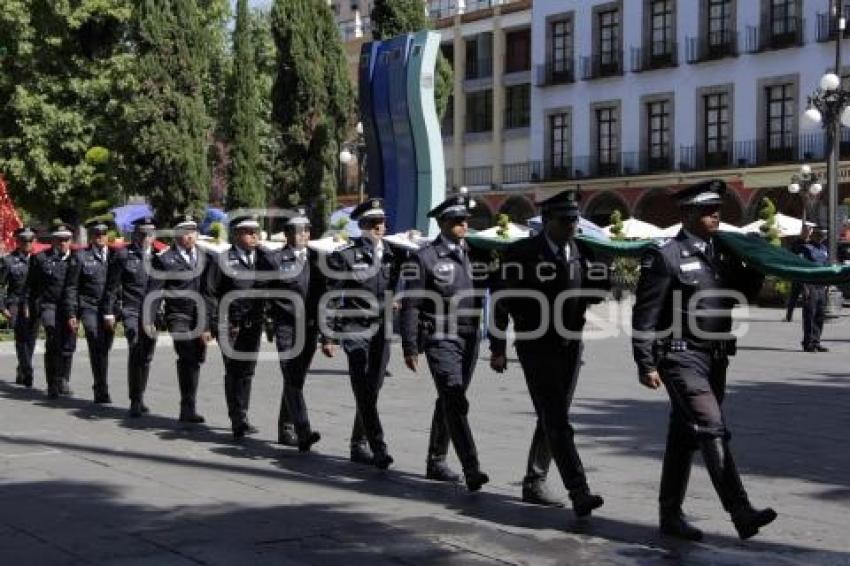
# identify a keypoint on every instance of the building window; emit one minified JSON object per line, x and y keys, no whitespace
{"x":562,"y":52}
{"x":607,"y":140}
{"x":658,"y":135}
{"x":661,"y":32}
{"x":479,"y":112}
{"x":517,"y":106}
{"x":479,"y":57}
{"x":783,"y":21}
{"x":781,"y":112}
{"x":559,"y":145}
{"x":609,"y":40}
{"x":518,"y":51}
{"x":716,"y":134}
{"x":719,"y":23}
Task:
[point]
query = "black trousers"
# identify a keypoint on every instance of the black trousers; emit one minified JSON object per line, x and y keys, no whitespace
{"x":239,"y":372}
{"x":141,"y":348}
{"x":452,"y":362}
{"x":293,"y":407}
{"x":814,"y":310}
{"x":59,"y":347}
{"x":551,"y":374}
{"x":793,"y":297}
{"x":26,"y":332}
{"x":99,"y":341}
{"x":696,"y":383}
{"x":191,"y":353}
{"x":367,"y":366}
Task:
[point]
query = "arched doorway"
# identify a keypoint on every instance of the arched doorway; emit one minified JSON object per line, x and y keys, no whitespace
{"x":482,"y":216}
{"x":602,"y":205}
{"x":658,"y":207}
{"x":519,"y":209}
{"x":785,"y":202}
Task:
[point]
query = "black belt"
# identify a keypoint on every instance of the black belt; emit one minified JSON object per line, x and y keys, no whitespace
{"x":716,"y":348}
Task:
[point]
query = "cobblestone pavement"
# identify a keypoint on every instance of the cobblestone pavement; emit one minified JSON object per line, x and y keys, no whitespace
{"x":82,"y":484}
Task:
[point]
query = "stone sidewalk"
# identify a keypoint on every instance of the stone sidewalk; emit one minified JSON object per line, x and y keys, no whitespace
{"x":81,"y":484}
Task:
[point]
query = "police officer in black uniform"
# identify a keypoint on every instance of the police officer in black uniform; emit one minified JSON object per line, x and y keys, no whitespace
{"x":181,"y":268}
{"x":44,"y":294}
{"x":368,"y":265}
{"x":239,"y":328}
{"x":814,"y":296}
{"x":683,"y":340}
{"x":126,"y":283}
{"x":550,"y":264}
{"x":13,"y":278}
{"x":83,"y":297}
{"x":448,"y":337}
{"x":296,"y":272}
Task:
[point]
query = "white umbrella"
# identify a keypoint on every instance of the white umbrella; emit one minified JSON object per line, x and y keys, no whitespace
{"x":673,"y":231}
{"x":785,"y":225}
{"x":638,"y":229}
{"x":515,"y":231}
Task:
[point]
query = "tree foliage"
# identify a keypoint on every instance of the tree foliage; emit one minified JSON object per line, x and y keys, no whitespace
{"x":312,"y":102}
{"x":168,"y":117}
{"x":244,"y":190}
{"x":63,"y":67}
{"x":395,"y":17}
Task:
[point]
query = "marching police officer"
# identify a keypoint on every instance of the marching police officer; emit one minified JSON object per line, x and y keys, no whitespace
{"x":682,"y":340}
{"x":83,"y":297}
{"x":367,"y":265}
{"x":126,"y":283}
{"x":13,"y":278}
{"x":448,"y":335}
{"x":295,"y":271}
{"x":551,"y":264}
{"x":181,"y":269}
{"x":814,"y":296}
{"x":44,"y":295}
{"x":239,"y":328}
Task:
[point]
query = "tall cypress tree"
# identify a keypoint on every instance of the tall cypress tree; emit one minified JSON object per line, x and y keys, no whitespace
{"x":244,"y":189}
{"x":313,"y":100}
{"x":169,"y":126}
{"x":395,"y":17}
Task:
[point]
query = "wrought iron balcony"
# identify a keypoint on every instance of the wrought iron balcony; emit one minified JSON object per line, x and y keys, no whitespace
{"x":712,"y":46}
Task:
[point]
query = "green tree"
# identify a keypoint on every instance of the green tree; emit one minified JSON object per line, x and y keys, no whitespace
{"x":61,"y":68}
{"x":395,"y":17}
{"x":169,"y":128}
{"x":313,"y":100}
{"x":244,"y":190}
{"x":268,"y":132}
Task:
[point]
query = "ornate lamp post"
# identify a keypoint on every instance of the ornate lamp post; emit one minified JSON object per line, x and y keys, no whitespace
{"x":805,"y":184}
{"x":346,"y":157}
{"x":828,"y":106}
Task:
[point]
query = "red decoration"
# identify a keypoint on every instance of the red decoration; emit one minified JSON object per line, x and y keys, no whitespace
{"x":9,"y":219}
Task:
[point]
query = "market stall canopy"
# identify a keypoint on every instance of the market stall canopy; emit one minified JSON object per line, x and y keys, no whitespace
{"x":634,"y":229}
{"x":785,"y":225}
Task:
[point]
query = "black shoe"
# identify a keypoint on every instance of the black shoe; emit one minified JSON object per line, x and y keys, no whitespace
{"x":27,"y":382}
{"x":475,"y":479}
{"x":102,"y":399}
{"x":135,"y":409}
{"x":52,"y":393}
{"x":360,"y":454}
{"x":537,"y":494}
{"x":191,"y":417}
{"x":674,"y":524}
{"x":440,"y":471}
{"x":820,"y":348}
{"x":287,"y":437}
{"x":65,"y":389}
{"x":144,"y":408}
{"x":250,"y":429}
{"x":585,"y":502}
{"x":748,"y":521}
{"x":305,"y":444}
{"x":382,"y":460}
{"x":809,"y":349}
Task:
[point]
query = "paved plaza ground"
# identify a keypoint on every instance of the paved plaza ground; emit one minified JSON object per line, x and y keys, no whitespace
{"x":82,"y":484}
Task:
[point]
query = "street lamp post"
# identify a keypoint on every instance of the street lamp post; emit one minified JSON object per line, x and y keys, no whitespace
{"x":805,"y":184}
{"x":828,"y":105}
